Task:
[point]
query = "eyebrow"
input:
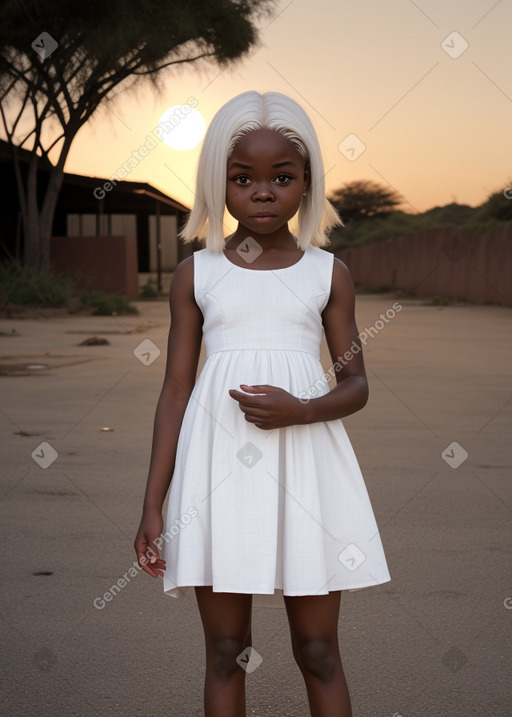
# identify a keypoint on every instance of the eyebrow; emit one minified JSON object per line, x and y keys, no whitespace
{"x":248,"y":166}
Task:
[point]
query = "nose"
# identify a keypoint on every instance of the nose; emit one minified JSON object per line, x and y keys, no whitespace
{"x":263,"y":192}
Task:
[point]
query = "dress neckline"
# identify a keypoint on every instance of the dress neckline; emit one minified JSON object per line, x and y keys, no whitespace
{"x":260,"y":271}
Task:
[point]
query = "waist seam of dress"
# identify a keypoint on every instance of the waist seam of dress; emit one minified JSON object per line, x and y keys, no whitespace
{"x":259,"y":348}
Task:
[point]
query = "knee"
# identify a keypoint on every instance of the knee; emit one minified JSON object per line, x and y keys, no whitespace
{"x":318,"y":658}
{"x":225,"y":652}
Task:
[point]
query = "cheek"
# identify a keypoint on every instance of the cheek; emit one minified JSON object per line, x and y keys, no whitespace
{"x":232,"y":193}
{"x":229,"y":196}
{"x":291,"y":197}
{"x":234,"y":200}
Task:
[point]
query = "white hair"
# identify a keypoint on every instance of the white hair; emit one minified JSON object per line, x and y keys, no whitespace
{"x":245,"y":113}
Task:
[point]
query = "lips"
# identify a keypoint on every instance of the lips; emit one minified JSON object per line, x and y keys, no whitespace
{"x":263,"y":218}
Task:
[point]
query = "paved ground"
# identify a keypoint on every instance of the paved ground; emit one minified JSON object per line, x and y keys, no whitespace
{"x":434,"y":641}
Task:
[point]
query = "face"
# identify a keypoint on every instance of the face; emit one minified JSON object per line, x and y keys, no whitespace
{"x":266,"y":178}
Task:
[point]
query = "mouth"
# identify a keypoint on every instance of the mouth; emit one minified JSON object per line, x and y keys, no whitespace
{"x":262,"y":215}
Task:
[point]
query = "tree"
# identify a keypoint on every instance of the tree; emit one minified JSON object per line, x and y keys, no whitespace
{"x":498,"y":205}
{"x":60,"y":60}
{"x":364,"y":199}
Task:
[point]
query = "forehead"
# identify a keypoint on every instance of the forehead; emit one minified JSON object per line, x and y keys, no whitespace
{"x":263,"y":144}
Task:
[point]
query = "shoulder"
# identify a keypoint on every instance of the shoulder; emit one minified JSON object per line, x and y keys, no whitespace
{"x":342,"y":287}
{"x":182,"y":284}
{"x":341,"y":273}
{"x":184,"y":270}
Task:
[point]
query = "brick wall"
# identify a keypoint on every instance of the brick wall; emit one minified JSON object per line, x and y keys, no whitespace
{"x":447,"y":261}
{"x":107,"y":263}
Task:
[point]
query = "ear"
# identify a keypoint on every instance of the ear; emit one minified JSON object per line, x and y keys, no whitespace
{"x":307,"y":177}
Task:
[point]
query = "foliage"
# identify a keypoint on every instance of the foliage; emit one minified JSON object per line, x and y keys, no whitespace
{"x":398,"y":223}
{"x":107,"y":304}
{"x":457,"y":214}
{"x":59,"y":61}
{"x":25,"y":285}
{"x":363,"y":199}
{"x":149,"y":290}
{"x":371,"y":216}
{"x":498,"y":205}
{"x":437,"y":301}
{"x":374,"y":230}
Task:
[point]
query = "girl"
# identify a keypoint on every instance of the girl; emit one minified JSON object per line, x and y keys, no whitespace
{"x":267,"y":498}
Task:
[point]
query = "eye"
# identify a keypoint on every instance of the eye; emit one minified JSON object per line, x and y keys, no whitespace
{"x":242,"y":179}
{"x":283,"y":178}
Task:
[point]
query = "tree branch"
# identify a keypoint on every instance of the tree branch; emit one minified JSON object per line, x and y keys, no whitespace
{"x":175,"y":62}
{"x":8,"y":90}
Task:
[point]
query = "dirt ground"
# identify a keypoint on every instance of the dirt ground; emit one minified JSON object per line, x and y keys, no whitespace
{"x":433,"y":444}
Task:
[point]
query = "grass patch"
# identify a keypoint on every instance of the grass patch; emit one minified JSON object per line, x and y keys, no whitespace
{"x":149,"y":290}
{"x":437,"y":301}
{"x":25,"y":285}
{"x":107,"y":304}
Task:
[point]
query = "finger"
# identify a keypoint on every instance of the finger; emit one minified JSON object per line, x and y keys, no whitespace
{"x":253,"y":418}
{"x":243,"y":398}
{"x":155,"y":569}
{"x":256,"y":413}
{"x":146,"y":563}
{"x":264,"y":427}
{"x":263,"y":388}
{"x":147,"y":550}
{"x":248,"y":399}
{"x":140,"y":546}
{"x":253,"y":412}
{"x":237,"y":395}
{"x":144,"y":558}
{"x":152,"y":553}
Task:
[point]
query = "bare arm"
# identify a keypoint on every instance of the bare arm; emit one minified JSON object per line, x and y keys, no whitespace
{"x":273,"y":407}
{"x":351,"y":391}
{"x":183,"y":350}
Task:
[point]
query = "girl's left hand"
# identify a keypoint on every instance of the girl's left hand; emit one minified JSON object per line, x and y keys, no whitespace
{"x":275,"y":409}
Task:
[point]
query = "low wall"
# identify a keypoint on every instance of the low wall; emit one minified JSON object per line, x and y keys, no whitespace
{"x":107,"y":264}
{"x":447,"y":261}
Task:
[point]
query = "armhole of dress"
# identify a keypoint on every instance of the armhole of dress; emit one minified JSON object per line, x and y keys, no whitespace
{"x":197,"y":277}
{"x":330,"y":264}
{"x":329,"y":272}
{"x":325,"y":267}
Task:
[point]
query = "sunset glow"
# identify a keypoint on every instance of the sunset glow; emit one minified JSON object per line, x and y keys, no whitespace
{"x":427,"y":92}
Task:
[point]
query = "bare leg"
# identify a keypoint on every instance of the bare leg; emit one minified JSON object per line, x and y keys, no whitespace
{"x":226,"y":619}
{"x":314,"y":631}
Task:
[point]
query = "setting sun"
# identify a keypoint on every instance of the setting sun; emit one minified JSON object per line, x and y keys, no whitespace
{"x":181,"y":127}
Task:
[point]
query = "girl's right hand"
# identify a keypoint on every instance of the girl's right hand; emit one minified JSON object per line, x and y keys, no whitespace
{"x":147,"y":543}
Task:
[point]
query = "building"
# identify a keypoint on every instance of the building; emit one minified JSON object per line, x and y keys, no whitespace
{"x":98,"y":207}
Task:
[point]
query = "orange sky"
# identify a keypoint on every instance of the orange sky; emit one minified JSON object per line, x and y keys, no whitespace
{"x":436,"y":125}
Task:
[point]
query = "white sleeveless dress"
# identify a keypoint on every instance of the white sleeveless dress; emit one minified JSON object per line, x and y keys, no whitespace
{"x":265,"y":512}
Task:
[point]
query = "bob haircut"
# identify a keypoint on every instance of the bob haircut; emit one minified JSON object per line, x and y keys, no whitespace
{"x":244,"y":113}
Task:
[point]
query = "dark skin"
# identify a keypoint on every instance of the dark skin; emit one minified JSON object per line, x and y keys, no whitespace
{"x":256,"y":185}
{"x":261,"y":189}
